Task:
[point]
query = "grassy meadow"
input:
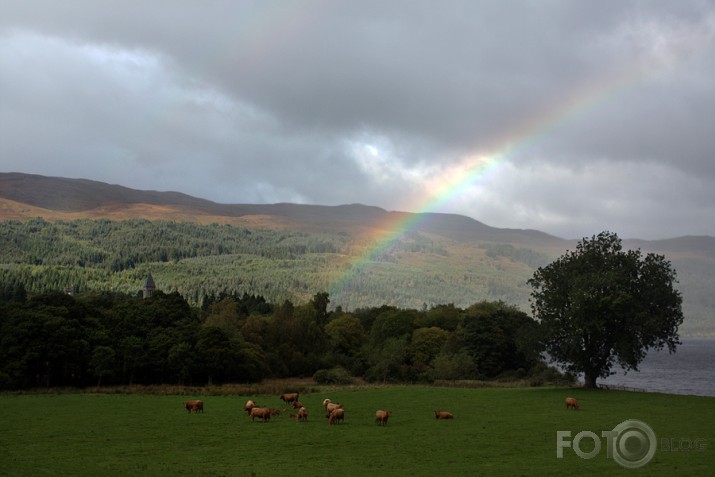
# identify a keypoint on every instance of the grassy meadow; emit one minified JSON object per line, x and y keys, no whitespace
{"x":496,"y":431}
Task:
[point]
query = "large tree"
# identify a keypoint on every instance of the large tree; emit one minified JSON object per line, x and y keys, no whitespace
{"x":600,"y":305}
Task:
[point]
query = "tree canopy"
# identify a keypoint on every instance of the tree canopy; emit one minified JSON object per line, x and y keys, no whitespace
{"x":601,"y":306}
{"x":205,"y":262}
{"x":56,"y":340}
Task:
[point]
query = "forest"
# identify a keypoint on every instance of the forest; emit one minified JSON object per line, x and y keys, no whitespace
{"x":197,"y":260}
{"x":95,"y":339}
{"x":240,"y":305}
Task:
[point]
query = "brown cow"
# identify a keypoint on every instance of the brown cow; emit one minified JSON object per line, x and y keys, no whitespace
{"x":443,"y":415}
{"x":331,"y":406}
{"x":194,"y":406}
{"x":289,"y":397}
{"x":328,"y":405}
{"x":336,"y":415}
{"x":381,"y":417}
{"x":262,"y":412}
{"x":296,"y":404}
{"x":249,"y":405}
{"x":571,"y":403}
{"x":302,"y":414}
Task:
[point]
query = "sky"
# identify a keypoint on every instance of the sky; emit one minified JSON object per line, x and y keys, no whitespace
{"x":569,"y":117}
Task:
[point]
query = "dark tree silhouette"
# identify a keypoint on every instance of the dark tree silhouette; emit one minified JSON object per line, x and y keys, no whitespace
{"x":599,"y":306}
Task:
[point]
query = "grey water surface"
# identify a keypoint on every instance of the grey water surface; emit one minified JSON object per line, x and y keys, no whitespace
{"x":690,"y":370}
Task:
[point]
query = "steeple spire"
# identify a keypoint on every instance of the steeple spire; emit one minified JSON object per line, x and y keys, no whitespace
{"x":149,"y":286}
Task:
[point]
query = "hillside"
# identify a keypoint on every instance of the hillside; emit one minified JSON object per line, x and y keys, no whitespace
{"x":362,"y":255}
{"x":26,"y":196}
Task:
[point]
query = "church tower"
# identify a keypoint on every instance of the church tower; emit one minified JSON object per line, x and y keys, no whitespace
{"x":149,"y":286}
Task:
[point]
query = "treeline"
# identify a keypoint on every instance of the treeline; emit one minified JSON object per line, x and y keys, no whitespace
{"x":58,"y":340}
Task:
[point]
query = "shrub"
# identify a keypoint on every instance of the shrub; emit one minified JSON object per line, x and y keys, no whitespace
{"x":542,"y":374}
{"x":336,"y":375}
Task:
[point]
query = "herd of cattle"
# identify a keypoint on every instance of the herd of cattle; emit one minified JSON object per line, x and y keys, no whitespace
{"x":334,"y":411}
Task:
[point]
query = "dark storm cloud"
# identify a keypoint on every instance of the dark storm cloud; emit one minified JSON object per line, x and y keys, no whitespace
{"x":609,"y":104}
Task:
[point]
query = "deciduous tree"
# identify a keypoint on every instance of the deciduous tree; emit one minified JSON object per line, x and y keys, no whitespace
{"x":600,"y":305}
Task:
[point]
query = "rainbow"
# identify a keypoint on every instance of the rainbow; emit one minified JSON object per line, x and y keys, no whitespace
{"x":260,"y":37}
{"x":476,"y":168}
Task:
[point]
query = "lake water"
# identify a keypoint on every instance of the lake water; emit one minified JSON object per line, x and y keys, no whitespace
{"x":690,"y":370}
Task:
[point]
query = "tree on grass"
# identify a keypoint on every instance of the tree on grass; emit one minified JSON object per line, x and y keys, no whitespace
{"x":599,"y":306}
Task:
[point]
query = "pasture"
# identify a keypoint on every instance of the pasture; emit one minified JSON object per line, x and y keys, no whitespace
{"x":495,"y":431}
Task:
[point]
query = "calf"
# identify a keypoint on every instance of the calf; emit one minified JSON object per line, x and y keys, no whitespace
{"x":264,"y":413}
{"x":302,"y":414}
{"x":331,"y":406}
{"x":443,"y":415}
{"x":249,"y":405}
{"x":336,"y":415}
{"x":288,"y":397}
{"x":381,"y":417}
{"x":571,"y":403}
{"x":194,"y":406}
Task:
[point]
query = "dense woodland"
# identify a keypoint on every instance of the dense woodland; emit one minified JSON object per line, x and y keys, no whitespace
{"x":117,"y":246}
{"x":55,"y":339}
{"x":239,"y":305}
{"x":203,"y":260}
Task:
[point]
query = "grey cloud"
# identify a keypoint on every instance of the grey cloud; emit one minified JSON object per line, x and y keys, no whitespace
{"x":245,"y":102}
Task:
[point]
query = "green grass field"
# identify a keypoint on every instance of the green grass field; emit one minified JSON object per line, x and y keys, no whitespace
{"x":495,"y":431}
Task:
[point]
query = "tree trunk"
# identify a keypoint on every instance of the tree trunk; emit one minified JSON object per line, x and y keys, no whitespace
{"x":589,"y":380}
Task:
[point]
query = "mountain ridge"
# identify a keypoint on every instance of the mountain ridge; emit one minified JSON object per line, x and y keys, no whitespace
{"x":25,"y":196}
{"x":64,"y":197}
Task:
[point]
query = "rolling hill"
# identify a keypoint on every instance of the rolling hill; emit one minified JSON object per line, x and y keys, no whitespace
{"x":25,"y":196}
{"x":427,"y":259}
